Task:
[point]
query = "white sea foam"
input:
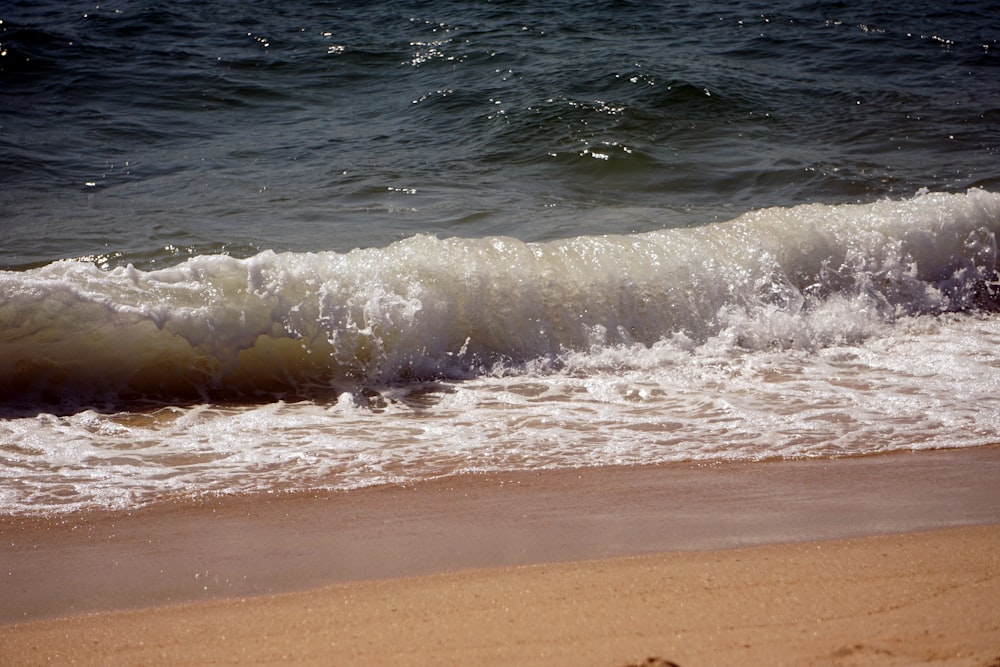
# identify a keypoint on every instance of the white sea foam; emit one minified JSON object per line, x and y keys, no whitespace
{"x":811,"y":331}
{"x":931,"y":381}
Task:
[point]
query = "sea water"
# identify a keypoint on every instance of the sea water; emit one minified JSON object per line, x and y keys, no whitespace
{"x":306,"y":245}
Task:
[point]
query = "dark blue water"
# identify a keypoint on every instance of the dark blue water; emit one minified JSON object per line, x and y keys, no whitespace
{"x":588,"y":234}
{"x":145,"y":132}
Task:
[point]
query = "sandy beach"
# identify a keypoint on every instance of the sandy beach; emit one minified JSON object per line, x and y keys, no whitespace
{"x":887,"y":560}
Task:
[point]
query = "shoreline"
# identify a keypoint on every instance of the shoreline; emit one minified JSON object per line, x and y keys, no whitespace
{"x":882,"y":560}
{"x":878,"y":601}
{"x":233,"y":547}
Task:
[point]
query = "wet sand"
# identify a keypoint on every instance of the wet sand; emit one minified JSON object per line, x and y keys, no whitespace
{"x":886,"y":560}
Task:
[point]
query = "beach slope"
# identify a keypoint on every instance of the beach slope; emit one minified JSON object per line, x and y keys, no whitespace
{"x":888,"y":560}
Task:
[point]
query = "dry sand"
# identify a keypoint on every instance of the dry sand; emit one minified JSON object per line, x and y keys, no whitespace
{"x":898,"y":600}
{"x":890,"y":560}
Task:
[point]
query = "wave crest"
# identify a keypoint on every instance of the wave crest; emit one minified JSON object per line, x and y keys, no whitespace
{"x":215,"y":326}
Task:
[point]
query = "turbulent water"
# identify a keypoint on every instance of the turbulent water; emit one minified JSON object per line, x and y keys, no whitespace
{"x":326,"y":245}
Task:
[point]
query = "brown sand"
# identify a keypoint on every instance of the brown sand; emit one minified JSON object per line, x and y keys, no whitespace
{"x":490,"y":588}
{"x":898,"y":600}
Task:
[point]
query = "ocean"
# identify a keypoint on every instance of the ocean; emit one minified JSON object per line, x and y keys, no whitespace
{"x":282,"y":246}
